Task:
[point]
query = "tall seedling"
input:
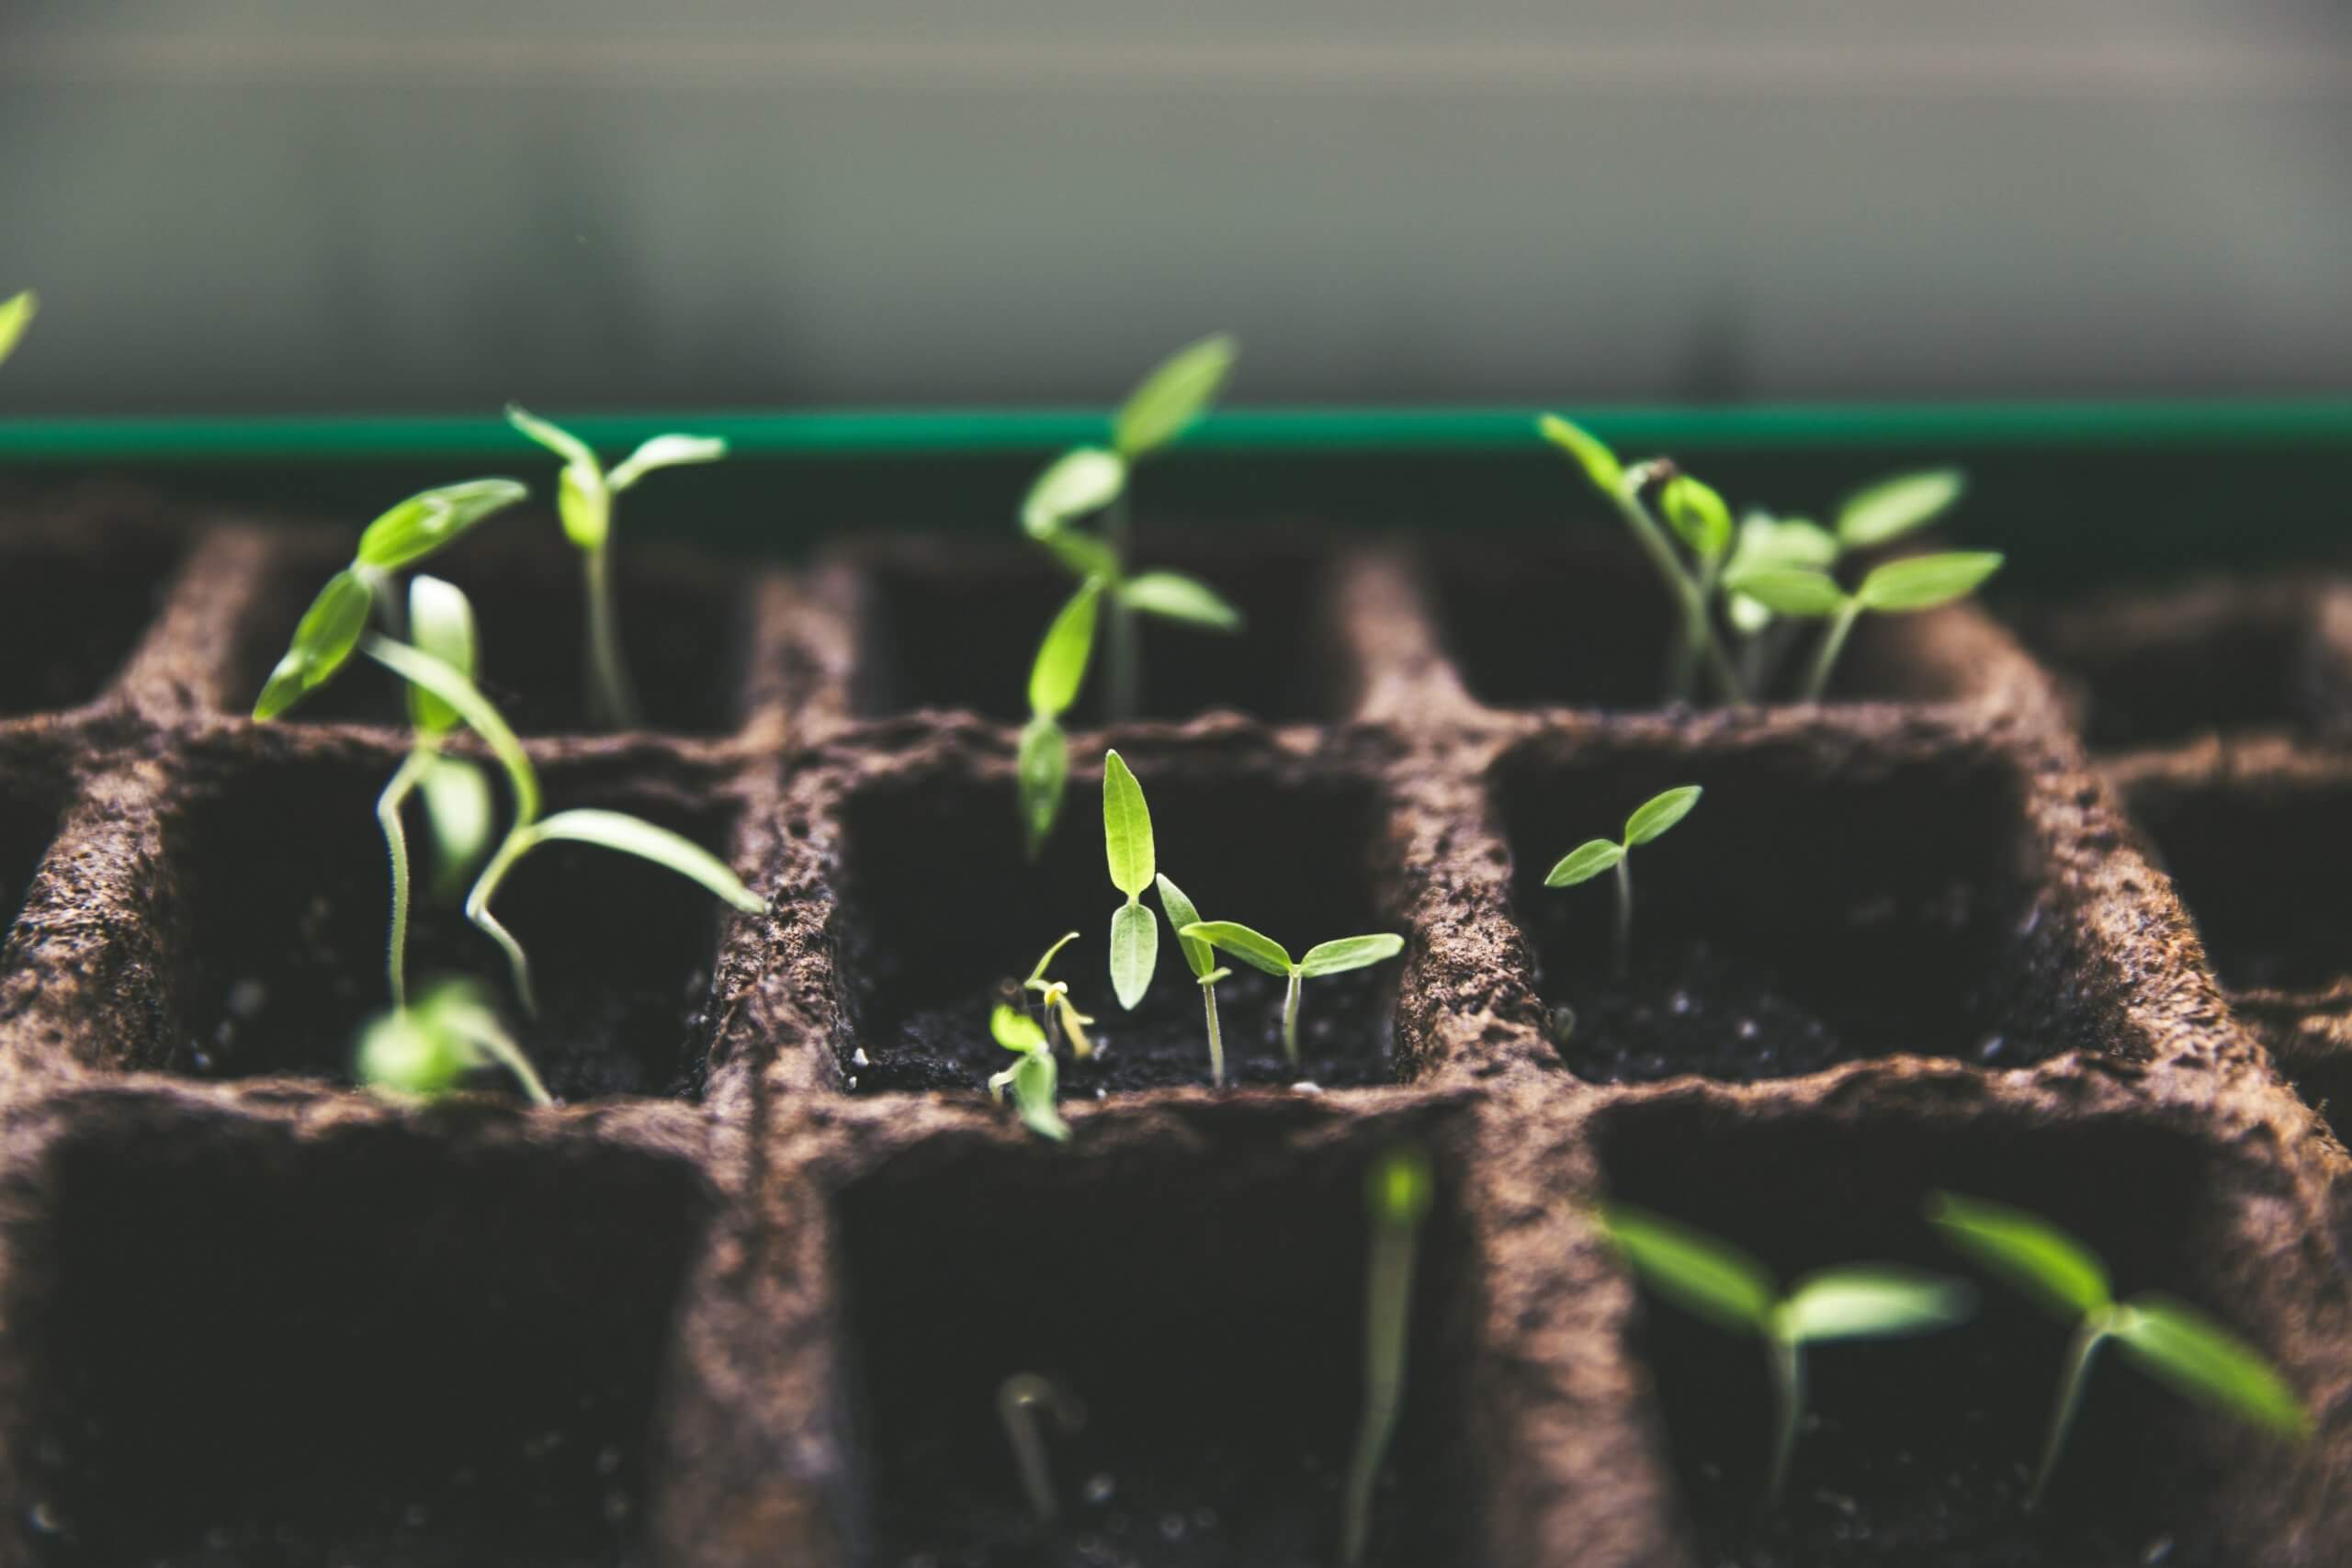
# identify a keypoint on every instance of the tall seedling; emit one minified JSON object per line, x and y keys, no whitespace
{"x":1261,"y":951}
{"x":1126,"y":843}
{"x":1590,"y":859}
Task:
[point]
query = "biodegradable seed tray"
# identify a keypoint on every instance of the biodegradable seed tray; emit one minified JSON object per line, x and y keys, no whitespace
{"x":745,"y":1297}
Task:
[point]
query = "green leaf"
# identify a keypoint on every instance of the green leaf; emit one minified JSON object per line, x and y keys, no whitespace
{"x":458,"y":809}
{"x":1038,"y":975}
{"x":635,"y":835}
{"x":1767,"y":541}
{"x":1126,"y":829}
{"x":1789,"y":590}
{"x":1233,"y":936}
{"x":1653,"y":817}
{"x":1042,"y":770}
{"x":1035,"y":1080}
{"x":1884,"y":512}
{"x":664,"y":452}
{"x":1175,"y":597}
{"x":1348,"y":952}
{"x":441,"y":623}
{"x":1083,"y":554}
{"x":1173,"y":395}
{"x":1015,"y":1030}
{"x":431,"y":519}
{"x":1873,"y":1300}
{"x":2204,"y":1360}
{"x":1600,"y":465}
{"x":1698,"y":515}
{"x":16,"y":315}
{"x":1060,"y":668}
{"x":1081,"y":481}
{"x":322,"y":642}
{"x":1922,"y":582}
{"x":1398,"y":1188}
{"x":1692,"y":1269}
{"x":2027,"y":1251}
{"x":1198,"y":955}
{"x":584,"y":504}
{"x":1585,"y":861}
{"x":554,"y":438}
{"x":423,"y":669}
{"x":1135,"y":953}
{"x":406,"y":1051}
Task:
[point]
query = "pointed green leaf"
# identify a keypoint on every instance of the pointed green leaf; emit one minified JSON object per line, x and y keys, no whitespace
{"x":1081,"y":481}
{"x":1873,"y":1300}
{"x":1584,"y":862}
{"x":1789,"y":590}
{"x":2206,"y":1362}
{"x":322,"y":642}
{"x":431,"y":519}
{"x":1035,"y":1081}
{"x":664,"y":452}
{"x":1015,"y":1030}
{"x":2027,"y":1251}
{"x":1198,"y":955}
{"x":1041,"y":769}
{"x":1884,"y":512}
{"x":1173,"y":395}
{"x":1083,"y":553}
{"x":1698,"y":515}
{"x":1692,"y":1269}
{"x":1135,"y":953}
{"x":1659,"y":812}
{"x":1231,"y":936}
{"x":1600,"y":465}
{"x":1348,"y":952}
{"x":16,"y":315}
{"x":554,"y":438}
{"x":460,"y":814}
{"x":1922,"y":582}
{"x":1175,"y":597}
{"x":423,"y":669}
{"x":635,"y":835}
{"x":1126,"y":828}
{"x":1060,"y":668}
{"x":1037,"y":975}
{"x":1767,"y":541}
{"x":441,"y":623}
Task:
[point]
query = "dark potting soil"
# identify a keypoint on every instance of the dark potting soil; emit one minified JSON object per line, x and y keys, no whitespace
{"x":70,"y":620}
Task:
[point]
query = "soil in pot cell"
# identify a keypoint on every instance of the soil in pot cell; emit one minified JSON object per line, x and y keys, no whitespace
{"x":284,"y":897}
{"x":1205,"y":1304}
{"x":1827,"y":900}
{"x":944,"y":916}
{"x":1920,"y":1452}
{"x":386,"y":1346}
{"x":955,"y":624}
{"x":70,"y":613}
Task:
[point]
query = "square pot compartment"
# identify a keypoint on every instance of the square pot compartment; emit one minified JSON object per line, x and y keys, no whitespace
{"x":81,"y":579}
{"x":1201,"y":1294}
{"x":401,"y":1342}
{"x":1838,"y":893}
{"x":282,"y":887}
{"x":942,"y":916}
{"x":1920,"y":1452}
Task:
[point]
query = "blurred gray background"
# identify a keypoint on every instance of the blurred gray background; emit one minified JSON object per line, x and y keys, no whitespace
{"x":317,"y":205}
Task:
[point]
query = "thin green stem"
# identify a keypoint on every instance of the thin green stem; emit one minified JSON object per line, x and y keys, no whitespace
{"x":388,"y":816}
{"x":612,"y":701}
{"x":1625,"y":915}
{"x":1123,"y":678}
{"x":1386,"y":1313}
{"x":1017,"y":1400}
{"x":519,"y":840}
{"x":2071,"y":1382}
{"x":1290,"y":1018}
{"x":1216,"y":1036}
{"x":1698,"y":627}
{"x":1832,"y":642}
{"x":1787,"y":1359}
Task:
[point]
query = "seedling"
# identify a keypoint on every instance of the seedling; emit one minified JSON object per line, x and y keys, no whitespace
{"x":1127,"y":844}
{"x":1033,"y":1078}
{"x":1043,"y":766}
{"x":1201,"y":958}
{"x":1324,"y":958}
{"x":1899,"y":587}
{"x":1397,"y":1192}
{"x":1719,"y":1282}
{"x":2172,"y":1341}
{"x":1018,"y":1400}
{"x":1053,"y":1002}
{"x":16,"y":315}
{"x":426,"y":1048}
{"x":1592,"y":857}
{"x":584,"y":502}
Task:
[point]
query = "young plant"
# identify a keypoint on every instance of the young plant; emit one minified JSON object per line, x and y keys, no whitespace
{"x":1126,"y":845}
{"x":584,"y":502}
{"x":16,"y":315}
{"x":1201,"y":958}
{"x":1053,"y":1002}
{"x":1264,"y":952}
{"x":1397,"y":1192}
{"x":1033,"y":1078}
{"x":1018,"y":1400}
{"x":1590,"y":859}
{"x":1723,"y":1285}
{"x":427,"y":1047}
{"x":1055,"y":678}
{"x":1899,"y":587}
{"x":2172,"y":1341}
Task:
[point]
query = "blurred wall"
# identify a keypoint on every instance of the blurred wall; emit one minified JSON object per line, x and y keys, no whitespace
{"x":322,"y":204}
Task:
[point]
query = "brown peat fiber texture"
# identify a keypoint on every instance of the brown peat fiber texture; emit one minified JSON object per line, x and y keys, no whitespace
{"x":2024,"y":925}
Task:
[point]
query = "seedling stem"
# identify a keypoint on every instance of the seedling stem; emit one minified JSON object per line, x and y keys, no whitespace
{"x":1017,"y":1402}
{"x":1590,"y":859}
{"x":1398,"y":1192}
{"x":1260,"y":952}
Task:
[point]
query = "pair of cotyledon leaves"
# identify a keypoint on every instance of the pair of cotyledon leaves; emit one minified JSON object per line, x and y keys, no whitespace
{"x":1649,"y":819}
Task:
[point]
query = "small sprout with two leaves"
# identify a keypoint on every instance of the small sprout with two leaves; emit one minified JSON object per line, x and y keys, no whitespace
{"x":1018,"y":1400}
{"x":1033,"y":1079}
{"x":427,"y":1047}
{"x":585,"y":495}
{"x":1053,"y":1003}
{"x":1590,"y":859}
{"x":1398,"y":1192}
{"x":1201,"y":958}
{"x":16,"y":315}
{"x":2172,"y":1341}
{"x":1899,"y":587}
{"x":1260,"y":952}
{"x":1719,"y":1282}
{"x":1126,"y":845}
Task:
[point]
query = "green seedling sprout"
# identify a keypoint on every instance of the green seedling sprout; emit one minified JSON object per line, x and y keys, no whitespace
{"x":16,"y":315}
{"x":426,"y":1048}
{"x":1018,"y":1400}
{"x":1590,"y":859}
{"x":2172,"y":1341}
{"x":1033,"y":1078}
{"x":1264,"y":952}
{"x":1053,"y":1002}
{"x":1126,"y":845}
{"x":584,"y":502}
{"x":1201,"y":958}
{"x":1398,"y":1189}
{"x":1043,"y":766}
{"x":1899,"y":587}
{"x":1719,"y":1282}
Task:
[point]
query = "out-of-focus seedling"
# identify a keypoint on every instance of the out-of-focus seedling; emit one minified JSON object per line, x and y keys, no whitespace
{"x":1055,"y":678}
{"x":426,"y":1048}
{"x":585,"y":495}
{"x":1018,"y":1400}
{"x":1053,"y":1002}
{"x":1127,"y":844}
{"x":1398,"y":1190}
{"x":1899,"y":587}
{"x":1726,"y":1286}
{"x":1260,"y":952}
{"x":1033,"y":1078}
{"x":2172,"y":1341}
{"x":1592,"y":857}
{"x":16,"y":315}
{"x":1201,"y":958}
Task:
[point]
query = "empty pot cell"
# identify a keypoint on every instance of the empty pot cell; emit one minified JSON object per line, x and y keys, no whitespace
{"x":1203,"y":1303}
{"x":1826,"y":901}
{"x":943,"y":917}
{"x":74,"y":604}
{"x":1578,"y":618}
{"x":1920,"y":1452}
{"x":684,"y":638}
{"x":285,"y":889}
{"x":955,"y":624}
{"x":29,"y":807}
{"x":249,"y":1344}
